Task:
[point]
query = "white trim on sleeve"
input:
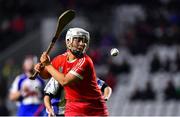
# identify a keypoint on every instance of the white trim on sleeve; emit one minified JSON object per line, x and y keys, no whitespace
{"x":76,"y":74}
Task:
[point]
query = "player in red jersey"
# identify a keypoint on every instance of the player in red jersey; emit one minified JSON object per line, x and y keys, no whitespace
{"x":75,"y":71}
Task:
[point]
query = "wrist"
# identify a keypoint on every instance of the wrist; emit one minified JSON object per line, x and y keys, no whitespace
{"x":49,"y":108}
{"x":44,"y":64}
{"x":47,"y":66}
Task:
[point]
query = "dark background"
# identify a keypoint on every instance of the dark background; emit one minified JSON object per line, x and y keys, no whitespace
{"x":145,"y":32}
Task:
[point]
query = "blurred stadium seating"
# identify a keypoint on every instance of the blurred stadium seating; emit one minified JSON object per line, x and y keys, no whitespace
{"x":122,"y":105}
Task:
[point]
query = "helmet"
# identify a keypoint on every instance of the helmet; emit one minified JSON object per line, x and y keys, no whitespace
{"x":77,"y":32}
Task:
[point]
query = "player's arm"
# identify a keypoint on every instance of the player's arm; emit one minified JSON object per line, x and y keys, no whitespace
{"x":14,"y":93}
{"x":107,"y":93}
{"x":14,"y":96}
{"x":105,"y":88}
{"x":48,"y":94}
{"x":50,"y":90}
{"x":60,"y":77}
{"x":17,"y":95}
{"x":47,"y":103}
{"x":42,"y":71}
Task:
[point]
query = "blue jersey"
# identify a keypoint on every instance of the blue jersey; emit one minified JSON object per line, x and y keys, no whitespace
{"x":53,"y":89}
{"x":30,"y":103}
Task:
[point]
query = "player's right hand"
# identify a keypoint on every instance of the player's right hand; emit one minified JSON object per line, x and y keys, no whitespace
{"x":38,"y":67}
{"x":45,"y":59}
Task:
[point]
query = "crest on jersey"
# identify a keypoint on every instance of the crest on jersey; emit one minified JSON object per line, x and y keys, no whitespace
{"x":60,"y":69}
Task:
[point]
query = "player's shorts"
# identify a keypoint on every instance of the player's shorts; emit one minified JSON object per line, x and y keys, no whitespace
{"x":86,"y":108}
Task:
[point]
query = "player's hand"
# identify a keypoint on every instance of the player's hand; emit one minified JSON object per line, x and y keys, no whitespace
{"x":50,"y":112}
{"x":25,"y":91}
{"x":38,"y":67}
{"x":45,"y":59}
{"x":106,"y":99}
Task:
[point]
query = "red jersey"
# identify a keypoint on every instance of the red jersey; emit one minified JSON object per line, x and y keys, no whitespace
{"x":83,"y":97}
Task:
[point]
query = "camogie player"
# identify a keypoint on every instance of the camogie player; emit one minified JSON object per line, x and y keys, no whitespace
{"x":28,"y":93}
{"x":54,"y":98}
{"x":78,"y":76}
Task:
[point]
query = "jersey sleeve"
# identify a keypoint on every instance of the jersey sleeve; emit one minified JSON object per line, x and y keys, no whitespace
{"x":55,"y":61}
{"x":51,"y":87}
{"x":14,"y":86}
{"x":79,"y":69}
{"x":101,"y":84}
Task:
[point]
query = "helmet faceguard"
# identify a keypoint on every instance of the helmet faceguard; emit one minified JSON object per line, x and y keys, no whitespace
{"x":77,"y":33}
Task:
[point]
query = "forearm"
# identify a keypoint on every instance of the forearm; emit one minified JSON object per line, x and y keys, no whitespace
{"x":47,"y":102}
{"x":44,"y":74}
{"x":42,"y":71}
{"x":60,"y":77}
{"x":107,"y":92}
{"x":14,"y":96}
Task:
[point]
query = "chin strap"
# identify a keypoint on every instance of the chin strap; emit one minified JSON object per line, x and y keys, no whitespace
{"x":76,"y":53}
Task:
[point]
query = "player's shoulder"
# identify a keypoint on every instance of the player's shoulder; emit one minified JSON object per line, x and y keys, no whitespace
{"x":20,"y":77}
{"x":86,"y":59}
{"x":99,"y":81}
{"x":61,"y":56}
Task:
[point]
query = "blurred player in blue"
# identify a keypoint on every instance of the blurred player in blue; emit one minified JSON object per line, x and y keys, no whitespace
{"x":28,"y":93}
{"x":54,"y":96}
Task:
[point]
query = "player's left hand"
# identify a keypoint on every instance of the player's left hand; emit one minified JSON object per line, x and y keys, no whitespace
{"x":50,"y":112}
{"x":106,"y":99}
{"x":45,"y":59}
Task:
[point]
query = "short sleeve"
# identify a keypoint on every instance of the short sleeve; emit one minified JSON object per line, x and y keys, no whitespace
{"x":14,"y":86}
{"x":100,"y":83}
{"x":55,"y":63}
{"x":51,"y":87}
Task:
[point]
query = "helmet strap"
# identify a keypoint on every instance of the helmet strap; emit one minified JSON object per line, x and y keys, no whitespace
{"x":76,"y":53}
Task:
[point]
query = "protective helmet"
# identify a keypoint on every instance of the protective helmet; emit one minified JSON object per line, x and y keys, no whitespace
{"x":77,"y":32}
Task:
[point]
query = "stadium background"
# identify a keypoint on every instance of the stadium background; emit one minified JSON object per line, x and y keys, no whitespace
{"x":145,"y":76}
